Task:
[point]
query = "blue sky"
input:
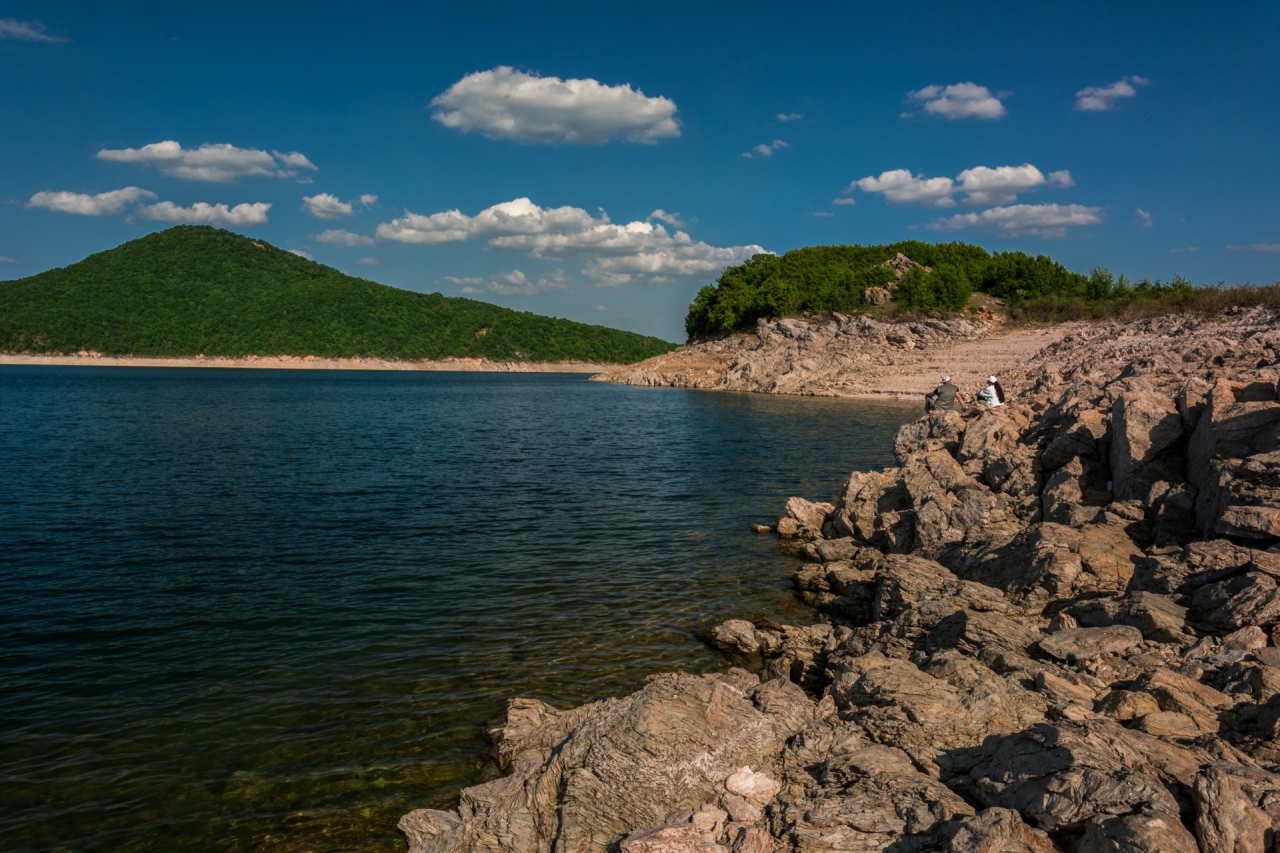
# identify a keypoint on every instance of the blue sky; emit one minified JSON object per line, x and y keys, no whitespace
{"x":1143,"y":138}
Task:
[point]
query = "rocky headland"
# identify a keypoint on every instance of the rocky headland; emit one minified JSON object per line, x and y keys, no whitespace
{"x":844,"y":356}
{"x":1052,"y":626}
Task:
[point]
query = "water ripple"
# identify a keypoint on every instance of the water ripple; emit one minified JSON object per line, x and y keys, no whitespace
{"x":272,"y":610}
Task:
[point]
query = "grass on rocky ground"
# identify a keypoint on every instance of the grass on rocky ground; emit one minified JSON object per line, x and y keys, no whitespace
{"x":1208,"y":301}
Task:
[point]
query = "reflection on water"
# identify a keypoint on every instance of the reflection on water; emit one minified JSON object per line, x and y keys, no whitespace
{"x":272,"y":610}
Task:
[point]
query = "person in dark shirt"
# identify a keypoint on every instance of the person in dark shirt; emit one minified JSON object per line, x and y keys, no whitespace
{"x":945,"y":396}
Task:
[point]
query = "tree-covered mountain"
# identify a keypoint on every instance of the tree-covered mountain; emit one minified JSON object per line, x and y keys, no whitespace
{"x":194,"y":289}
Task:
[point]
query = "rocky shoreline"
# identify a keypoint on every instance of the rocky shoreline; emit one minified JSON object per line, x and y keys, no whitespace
{"x":845,"y":357}
{"x":1053,"y":626}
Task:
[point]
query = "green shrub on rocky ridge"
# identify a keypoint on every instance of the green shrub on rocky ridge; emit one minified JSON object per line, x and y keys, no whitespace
{"x":833,"y":278}
{"x":193,"y":289}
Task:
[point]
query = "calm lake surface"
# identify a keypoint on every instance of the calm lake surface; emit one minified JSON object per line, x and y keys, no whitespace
{"x":249,"y":610}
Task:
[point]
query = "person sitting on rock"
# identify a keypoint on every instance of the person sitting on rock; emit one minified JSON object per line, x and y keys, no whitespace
{"x":945,"y":396}
{"x":993,"y":394}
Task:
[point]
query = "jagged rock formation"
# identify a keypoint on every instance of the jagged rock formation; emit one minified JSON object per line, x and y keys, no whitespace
{"x":1051,"y":627}
{"x":799,"y":355}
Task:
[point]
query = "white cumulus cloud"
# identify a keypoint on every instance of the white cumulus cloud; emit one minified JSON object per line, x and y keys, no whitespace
{"x":1103,"y":98}
{"x":338,"y":237}
{"x":368,"y":199}
{"x":326,"y":206}
{"x":899,"y":186}
{"x":981,"y":185}
{"x":503,"y":103}
{"x":202,"y":213}
{"x":1001,"y":185}
{"x":11,"y":28}
{"x":766,"y":149}
{"x":959,"y":100}
{"x":1045,"y":220}
{"x":613,"y":254}
{"x":89,"y":205}
{"x":219,"y":163}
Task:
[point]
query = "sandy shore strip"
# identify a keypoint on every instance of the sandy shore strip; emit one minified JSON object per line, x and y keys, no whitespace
{"x":308,"y":362}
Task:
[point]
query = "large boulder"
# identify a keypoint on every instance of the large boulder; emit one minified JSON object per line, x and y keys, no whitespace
{"x":938,"y":430}
{"x":810,"y":514}
{"x":1054,"y":558}
{"x":1158,"y":617}
{"x":1183,"y":570}
{"x":1080,"y":777}
{"x":1146,"y":427}
{"x":582,"y":780}
{"x":897,"y":703}
{"x":1237,"y":808}
{"x":1239,"y":421}
{"x":1078,"y":438}
{"x":864,"y":798}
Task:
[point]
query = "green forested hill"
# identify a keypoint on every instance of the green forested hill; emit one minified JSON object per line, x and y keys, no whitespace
{"x":194,"y":289}
{"x":834,"y":278}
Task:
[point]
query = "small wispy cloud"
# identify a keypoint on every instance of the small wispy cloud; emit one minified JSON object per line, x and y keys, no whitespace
{"x":203,"y":213}
{"x":1145,"y":218}
{"x":369,"y":262}
{"x":672,"y":219}
{"x":4,"y":260}
{"x":844,"y":200}
{"x":338,"y":237}
{"x":513,"y":283}
{"x":84,"y":204}
{"x":785,"y":117}
{"x":218,"y":163}
{"x":301,"y":254}
{"x":598,"y":308}
{"x":1044,"y":220}
{"x":766,"y":150}
{"x":1186,"y":249}
{"x":11,"y":28}
{"x":1095,"y":99}
{"x":1255,"y":247}
{"x":822,"y":214}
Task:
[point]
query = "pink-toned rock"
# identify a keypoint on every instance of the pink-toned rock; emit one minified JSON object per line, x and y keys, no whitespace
{"x":756,"y":788}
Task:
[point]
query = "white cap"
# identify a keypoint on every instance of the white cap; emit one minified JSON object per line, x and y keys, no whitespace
{"x":992,"y":380}
{"x":946,"y":379}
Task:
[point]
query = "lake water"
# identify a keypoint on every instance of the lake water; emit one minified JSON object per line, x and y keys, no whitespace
{"x":248,"y":610}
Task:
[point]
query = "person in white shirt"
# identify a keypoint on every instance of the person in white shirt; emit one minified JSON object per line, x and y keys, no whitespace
{"x":993,"y":394}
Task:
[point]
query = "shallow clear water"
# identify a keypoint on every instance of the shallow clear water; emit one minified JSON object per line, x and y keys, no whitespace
{"x":272,"y":610}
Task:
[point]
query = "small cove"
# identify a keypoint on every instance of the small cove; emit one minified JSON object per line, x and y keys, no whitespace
{"x":272,"y":610}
